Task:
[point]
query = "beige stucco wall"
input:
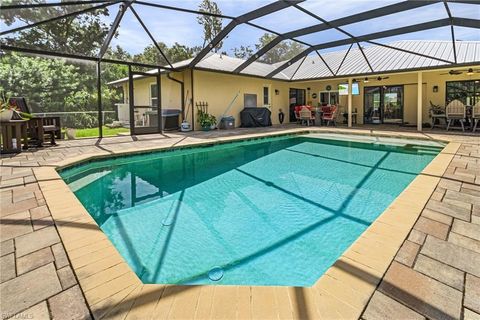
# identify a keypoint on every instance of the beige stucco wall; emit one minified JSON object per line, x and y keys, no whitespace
{"x":171,"y":92}
{"x":219,"y":89}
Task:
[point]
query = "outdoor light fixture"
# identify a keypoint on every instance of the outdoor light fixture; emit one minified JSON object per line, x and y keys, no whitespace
{"x":470,"y":72}
{"x":435,"y":88}
{"x":365,"y":80}
{"x":277,"y":92}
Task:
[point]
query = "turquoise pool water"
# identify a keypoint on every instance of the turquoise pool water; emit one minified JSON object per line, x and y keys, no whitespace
{"x":275,"y":211}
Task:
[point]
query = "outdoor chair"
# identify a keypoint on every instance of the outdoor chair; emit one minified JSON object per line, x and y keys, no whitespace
{"x":296,"y":110}
{"x":475,"y":115}
{"x":38,"y":126}
{"x":329,"y":115}
{"x":456,"y":111}
{"x":306,"y":116}
{"x":437,"y":113}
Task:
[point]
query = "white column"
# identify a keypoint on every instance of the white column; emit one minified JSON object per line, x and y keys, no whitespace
{"x":419,"y":100}
{"x":350,"y":102}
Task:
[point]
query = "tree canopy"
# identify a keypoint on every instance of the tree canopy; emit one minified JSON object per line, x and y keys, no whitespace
{"x":284,"y":50}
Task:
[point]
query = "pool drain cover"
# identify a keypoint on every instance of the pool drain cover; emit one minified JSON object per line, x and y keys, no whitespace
{"x":215,"y":274}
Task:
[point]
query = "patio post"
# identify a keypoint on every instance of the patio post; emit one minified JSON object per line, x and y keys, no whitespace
{"x":419,"y":100}
{"x":350,"y":82}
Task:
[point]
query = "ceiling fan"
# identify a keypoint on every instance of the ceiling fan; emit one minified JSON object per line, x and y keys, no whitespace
{"x":366,"y":80}
{"x":469,"y":72}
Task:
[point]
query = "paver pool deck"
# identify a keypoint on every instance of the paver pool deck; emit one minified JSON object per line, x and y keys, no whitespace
{"x":420,"y":259}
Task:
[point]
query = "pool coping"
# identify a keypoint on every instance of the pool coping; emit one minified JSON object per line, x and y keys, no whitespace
{"x":111,"y":287}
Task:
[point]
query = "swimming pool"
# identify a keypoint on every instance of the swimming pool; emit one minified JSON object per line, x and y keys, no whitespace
{"x":276,"y":211}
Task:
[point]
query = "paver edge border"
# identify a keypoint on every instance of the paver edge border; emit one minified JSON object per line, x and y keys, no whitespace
{"x":68,"y":210}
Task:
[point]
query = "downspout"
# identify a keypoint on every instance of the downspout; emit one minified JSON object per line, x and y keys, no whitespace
{"x":182,"y":89}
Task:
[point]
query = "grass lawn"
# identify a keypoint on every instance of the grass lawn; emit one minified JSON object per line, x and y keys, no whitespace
{"x":93,"y":132}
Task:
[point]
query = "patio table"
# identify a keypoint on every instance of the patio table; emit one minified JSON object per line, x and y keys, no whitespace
{"x":13,"y":132}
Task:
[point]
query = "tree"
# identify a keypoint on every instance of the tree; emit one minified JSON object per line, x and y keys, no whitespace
{"x":243,"y":52}
{"x":177,"y":52}
{"x":79,"y":34}
{"x":212,"y":25}
{"x":284,"y":50}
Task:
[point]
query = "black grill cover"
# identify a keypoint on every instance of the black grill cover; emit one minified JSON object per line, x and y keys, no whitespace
{"x":255,"y":117}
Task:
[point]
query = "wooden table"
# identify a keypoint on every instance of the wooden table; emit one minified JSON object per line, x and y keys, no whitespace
{"x":14,"y":129}
{"x":35,"y":128}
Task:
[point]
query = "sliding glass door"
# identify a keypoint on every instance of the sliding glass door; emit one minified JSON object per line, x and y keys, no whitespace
{"x":383,"y":104}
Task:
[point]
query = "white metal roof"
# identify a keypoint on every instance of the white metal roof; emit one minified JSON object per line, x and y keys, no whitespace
{"x":382,"y":59}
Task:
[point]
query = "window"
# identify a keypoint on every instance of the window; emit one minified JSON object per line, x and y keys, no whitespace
{"x":328,"y":97}
{"x":153,"y":95}
{"x":266,"y":96}
{"x":468,"y":92}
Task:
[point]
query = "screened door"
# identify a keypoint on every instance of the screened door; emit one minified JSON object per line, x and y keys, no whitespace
{"x":372,"y":104}
{"x":296,"y":98}
{"x":392,"y":104}
{"x":145,"y":106}
{"x":383,"y":104}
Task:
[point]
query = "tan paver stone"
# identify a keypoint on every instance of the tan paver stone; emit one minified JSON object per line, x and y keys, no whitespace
{"x":470,"y":315}
{"x":103,"y":307}
{"x":440,"y":271}
{"x":6,"y":247}
{"x":29,"y":289}
{"x":61,"y":259}
{"x":36,"y":240}
{"x":417,"y":236}
{"x":205,"y":302}
{"x":407,"y":253}
{"x":97,"y":266}
{"x":16,"y":207}
{"x":34,"y":260}
{"x":121,"y":310}
{"x":186,"y":299}
{"x":345,"y":291}
{"x":166,"y":301}
{"x":15,"y":225}
{"x":429,"y":297}
{"x":7,"y":267}
{"x":104,"y":276}
{"x":282,"y":300}
{"x":69,"y":304}
{"x":450,"y":184}
{"x":458,"y":203}
{"x":437,"y":216}
{"x":438,"y":195}
{"x":472,"y":293}
{"x":432,"y":227}
{"x":330,"y":307}
{"x":107,"y":289}
{"x":145,"y":302}
{"x":89,"y":249}
{"x":449,"y":209}
{"x":66,"y":276}
{"x":384,"y":307}
{"x":304,"y":303}
{"x":469,"y":230}
{"x":37,"y":312}
{"x":465,"y":242}
{"x":452,"y":254}
{"x":42,"y":223}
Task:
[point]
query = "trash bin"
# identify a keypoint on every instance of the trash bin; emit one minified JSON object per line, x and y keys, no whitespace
{"x":227,"y":123}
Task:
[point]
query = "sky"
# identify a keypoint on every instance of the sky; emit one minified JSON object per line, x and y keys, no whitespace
{"x":170,"y":26}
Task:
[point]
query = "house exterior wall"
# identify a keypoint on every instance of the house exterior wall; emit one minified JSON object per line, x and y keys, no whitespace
{"x":219,"y":89}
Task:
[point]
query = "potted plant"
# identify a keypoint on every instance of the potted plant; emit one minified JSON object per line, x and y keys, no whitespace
{"x":206,"y":120}
{"x":10,"y":111}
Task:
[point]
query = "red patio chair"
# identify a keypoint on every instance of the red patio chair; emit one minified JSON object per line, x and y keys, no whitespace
{"x":329,"y":114}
